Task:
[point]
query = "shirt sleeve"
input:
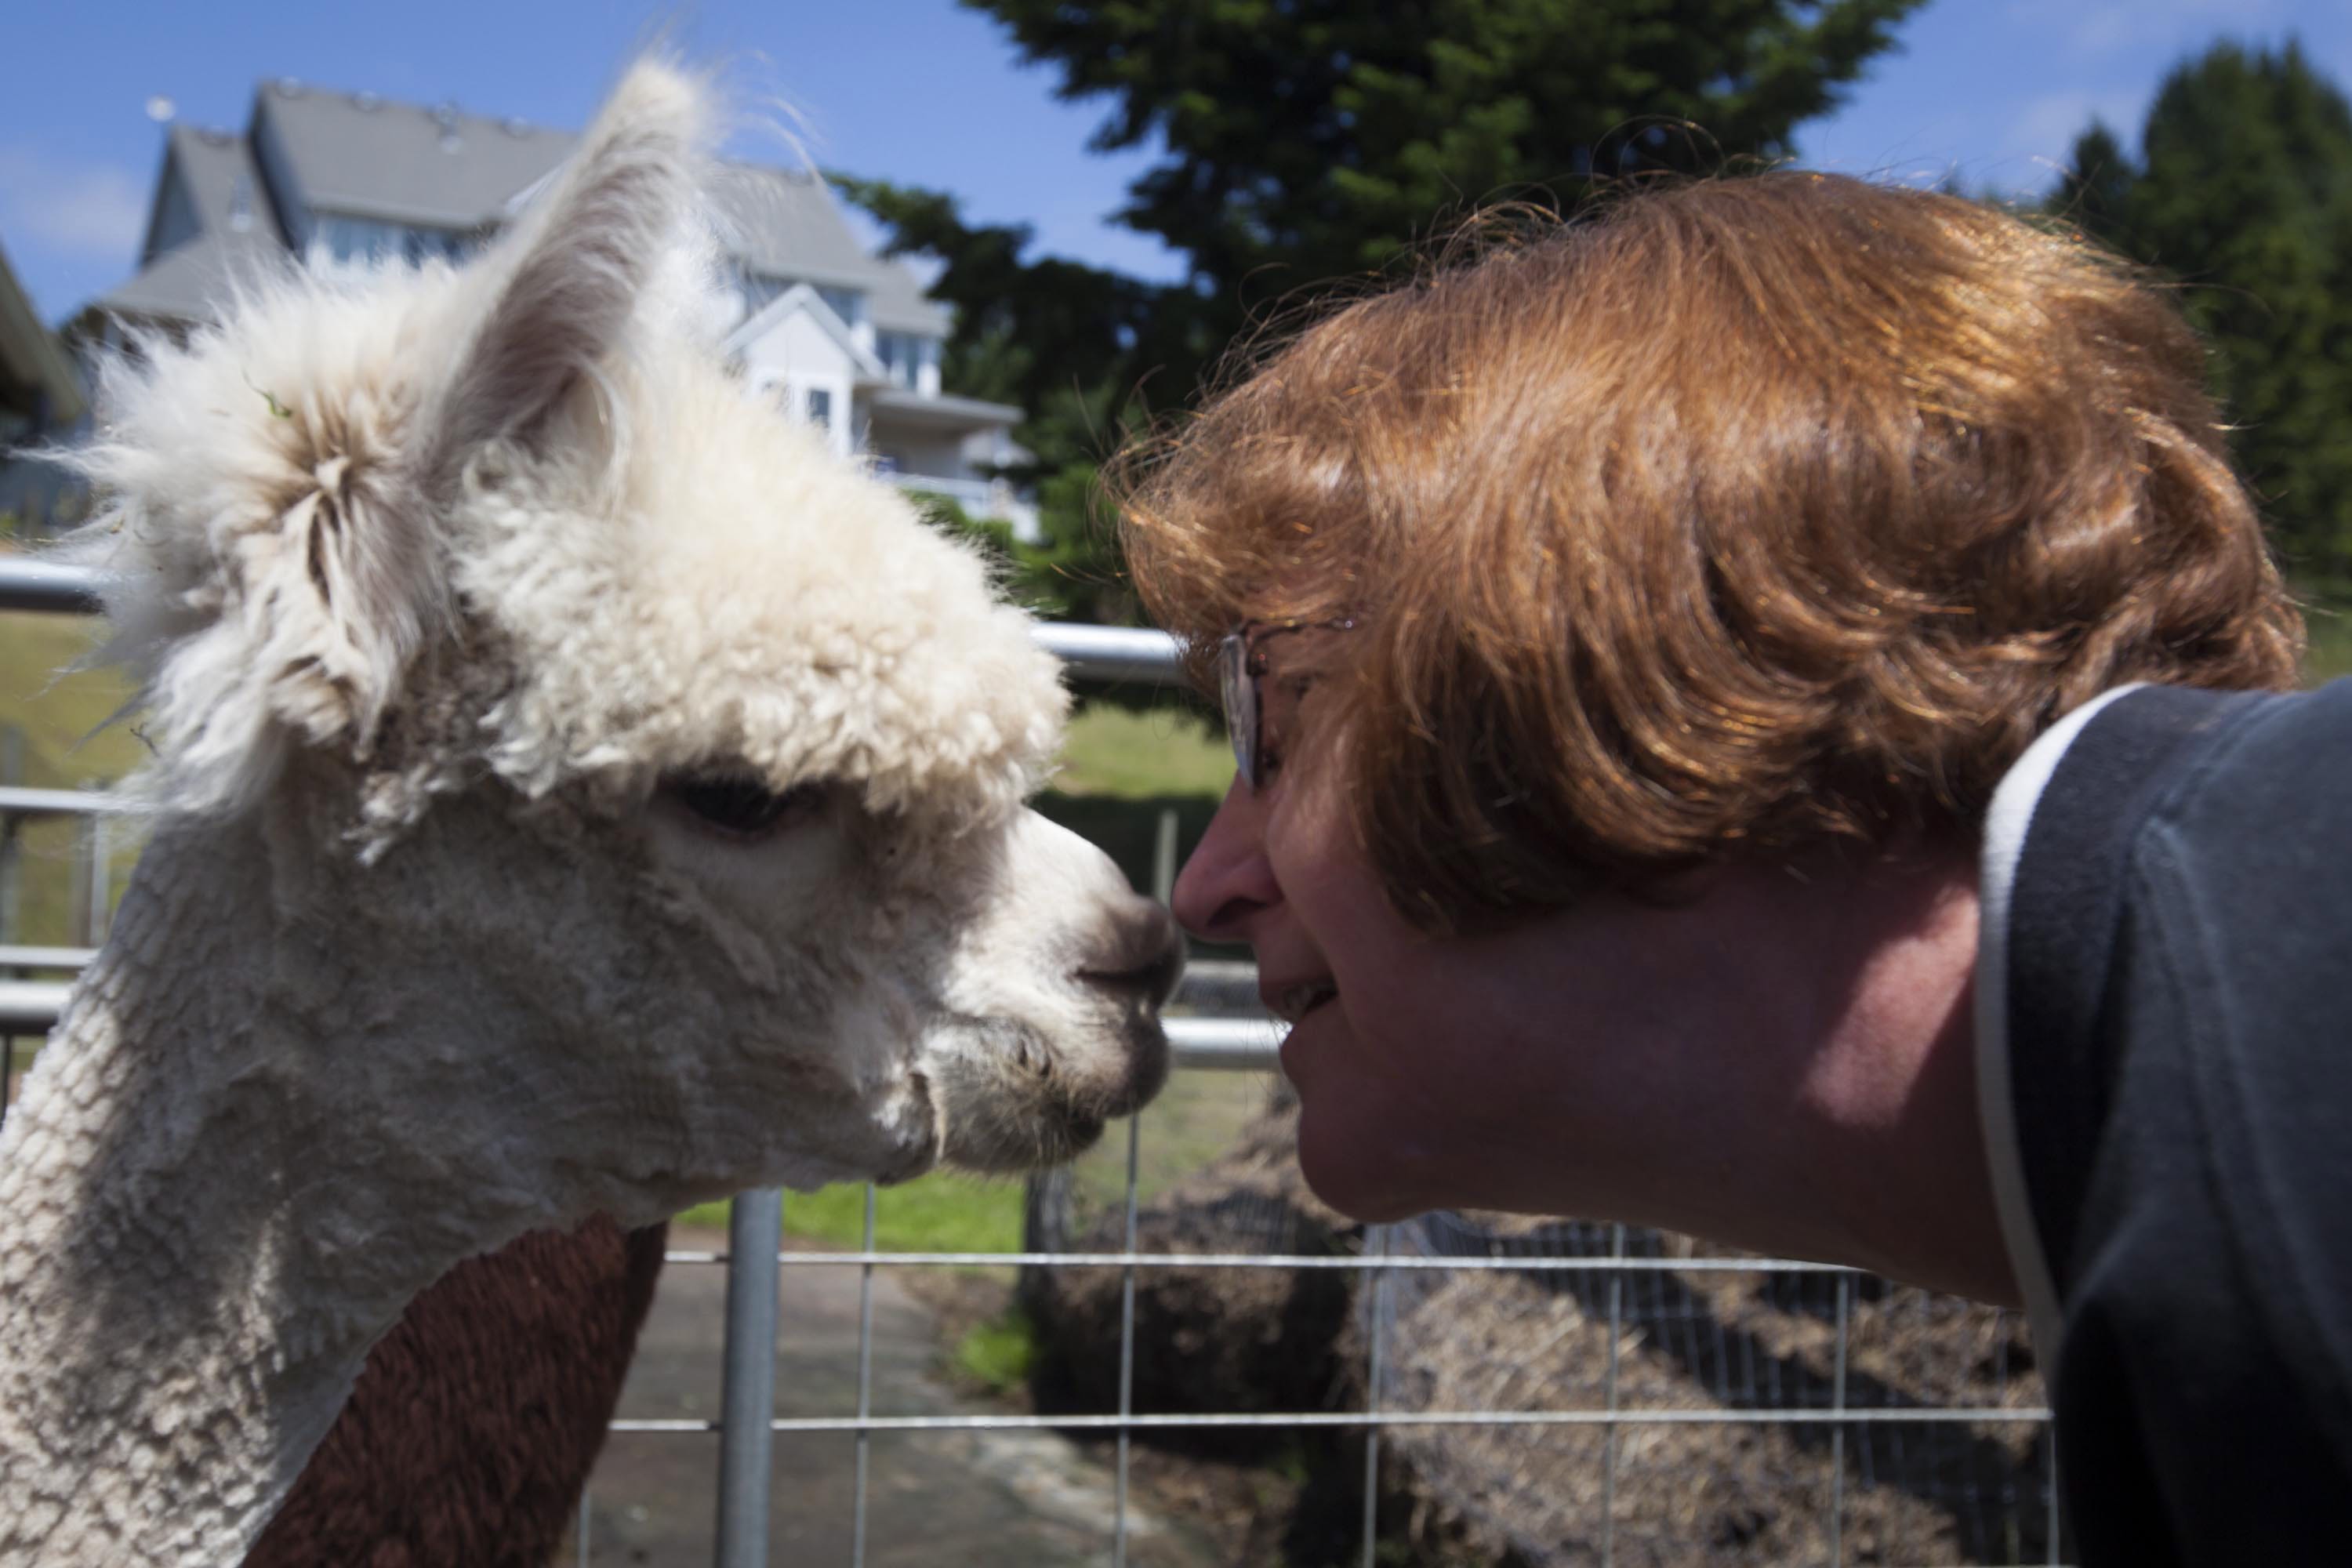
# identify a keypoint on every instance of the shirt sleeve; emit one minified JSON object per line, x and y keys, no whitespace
{"x":2162,"y":987}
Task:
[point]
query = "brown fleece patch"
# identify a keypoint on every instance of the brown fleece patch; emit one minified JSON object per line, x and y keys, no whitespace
{"x":471,"y":1433}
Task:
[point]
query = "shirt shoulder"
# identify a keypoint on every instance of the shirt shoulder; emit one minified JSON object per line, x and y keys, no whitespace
{"x":2169,"y":949}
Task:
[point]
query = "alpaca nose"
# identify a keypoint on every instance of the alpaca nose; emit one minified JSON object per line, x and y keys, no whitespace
{"x":1144,"y":957}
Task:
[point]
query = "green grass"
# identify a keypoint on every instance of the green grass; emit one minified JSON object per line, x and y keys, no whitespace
{"x":2327,"y":615}
{"x":67,"y":743}
{"x":1122,"y":771}
{"x":58,"y":713}
{"x":1162,"y":751}
{"x":943,"y":1212}
{"x":1193,"y":1118}
{"x":999,"y":1352}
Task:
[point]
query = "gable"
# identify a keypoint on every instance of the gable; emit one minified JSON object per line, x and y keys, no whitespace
{"x":797,"y":330}
{"x":173,"y":221}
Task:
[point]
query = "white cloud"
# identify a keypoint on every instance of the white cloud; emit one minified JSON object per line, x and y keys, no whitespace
{"x":2023,"y":146}
{"x":89,"y":209}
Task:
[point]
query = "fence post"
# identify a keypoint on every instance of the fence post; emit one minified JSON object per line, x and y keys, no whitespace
{"x":98,"y":876}
{"x":12,"y":771}
{"x":1163,"y":857}
{"x":1045,"y":1228}
{"x":84,"y":891}
{"x":755,"y":1228}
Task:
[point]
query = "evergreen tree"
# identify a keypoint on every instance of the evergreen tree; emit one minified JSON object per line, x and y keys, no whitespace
{"x":2096,"y":182}
{"x":1305,"y":141}
{"x":2244,"y":195}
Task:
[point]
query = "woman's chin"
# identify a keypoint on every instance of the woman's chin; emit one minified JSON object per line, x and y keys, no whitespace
{"x":1362,"y":1154}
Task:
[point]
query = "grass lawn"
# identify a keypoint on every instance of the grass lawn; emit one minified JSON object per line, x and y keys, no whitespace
{"x":67,"y":743}
{"x":1188,"y":1125}
{"x":1171,"y":751}
{"x":1121,"y":771}
{"x":943,"y":1212}
{"x":60,"y":713}
{"x":2327,"y":615}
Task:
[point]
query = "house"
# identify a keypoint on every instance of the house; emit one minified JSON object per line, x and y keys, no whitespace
{"x":41,"y":399}
{"x":845,"y":339}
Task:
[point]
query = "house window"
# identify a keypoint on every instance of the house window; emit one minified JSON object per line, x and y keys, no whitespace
{"x":427,"y":244}
{"x":820,"y":408}
{"x":355,"y":238}
{"x":849,"y":304}
{"x":759,"y":289}
{"x":368,"y":239}
{"x":902,"y":355}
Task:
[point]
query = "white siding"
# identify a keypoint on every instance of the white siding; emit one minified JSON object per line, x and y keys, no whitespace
{"x":796,"y":357}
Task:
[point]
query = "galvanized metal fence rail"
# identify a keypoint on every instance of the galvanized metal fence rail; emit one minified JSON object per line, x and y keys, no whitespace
{"x":1605,"y":1268}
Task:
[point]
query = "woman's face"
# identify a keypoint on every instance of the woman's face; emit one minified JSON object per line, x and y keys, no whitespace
{"x":1395,"y":1047}
{"x":1278,"y":869}
{"x":1550,"y":1066}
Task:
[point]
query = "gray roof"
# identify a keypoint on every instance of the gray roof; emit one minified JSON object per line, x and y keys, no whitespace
{"x":369,"y":157}
{"x":187,"y":282}
{"x":212,"y":165}
{"x":786,"y":223}
{"x":35,"y":370}
{"x":895,"y":301}
{"x":355,"y":152}
{"x":352,"y":152}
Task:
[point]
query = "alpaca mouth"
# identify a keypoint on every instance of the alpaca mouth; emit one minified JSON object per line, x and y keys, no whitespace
{"x":991,"y":1145}
{"x":1018,"y":1104}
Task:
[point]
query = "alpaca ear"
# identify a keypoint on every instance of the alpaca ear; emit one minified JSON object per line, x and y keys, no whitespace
{"x":291,"y":617}
{"x":568,"y":280}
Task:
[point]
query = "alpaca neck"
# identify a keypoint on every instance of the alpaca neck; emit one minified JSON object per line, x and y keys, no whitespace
{"x":197,"y":1242}
{"x":292,"y":1092}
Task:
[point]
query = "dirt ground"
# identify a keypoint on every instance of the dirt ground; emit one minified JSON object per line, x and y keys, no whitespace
{"x":1243,"y":1501}
{"x":1019,"y":1500}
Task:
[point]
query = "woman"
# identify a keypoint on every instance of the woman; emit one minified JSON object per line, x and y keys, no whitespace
{"x":1678,"y":666}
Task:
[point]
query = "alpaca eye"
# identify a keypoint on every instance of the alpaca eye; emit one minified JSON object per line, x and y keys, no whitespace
{"x":739,"y":806}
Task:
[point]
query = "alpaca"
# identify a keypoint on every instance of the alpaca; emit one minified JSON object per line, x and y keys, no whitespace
{"x":574,"y":792}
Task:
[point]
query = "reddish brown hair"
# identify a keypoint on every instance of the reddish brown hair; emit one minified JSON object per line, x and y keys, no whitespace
{"x":1742,"y":515}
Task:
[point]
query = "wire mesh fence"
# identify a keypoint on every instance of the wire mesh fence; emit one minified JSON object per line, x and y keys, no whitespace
{"x":1456,"y":1389}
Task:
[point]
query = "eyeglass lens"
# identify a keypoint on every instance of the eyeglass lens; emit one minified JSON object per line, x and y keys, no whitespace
{"x":1239,"y":689}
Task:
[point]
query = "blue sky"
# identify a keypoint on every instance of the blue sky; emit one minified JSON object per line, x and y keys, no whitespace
{"x":923,"y":91}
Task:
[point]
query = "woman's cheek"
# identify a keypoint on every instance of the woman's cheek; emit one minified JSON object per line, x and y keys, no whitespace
{"x":1366,"y":1144}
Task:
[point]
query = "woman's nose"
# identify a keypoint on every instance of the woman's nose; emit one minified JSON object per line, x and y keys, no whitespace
{"x":1228,"y":877}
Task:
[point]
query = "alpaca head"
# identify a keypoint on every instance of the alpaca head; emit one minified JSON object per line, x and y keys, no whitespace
{"x":561,"y":671}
